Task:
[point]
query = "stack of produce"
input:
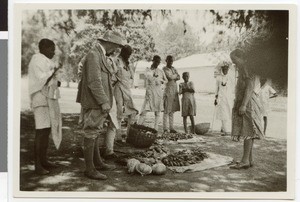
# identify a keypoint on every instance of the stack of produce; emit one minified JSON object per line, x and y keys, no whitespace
{"x":152,"y":155}
{"x":175,"y":136}
{"x":185,"y":157}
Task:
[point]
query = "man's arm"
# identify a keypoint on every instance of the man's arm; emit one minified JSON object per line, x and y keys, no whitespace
{"x":170,"y":76}
{"x":250,"y":85}
{"x":272,"y":92}
{"x":192,"y":89}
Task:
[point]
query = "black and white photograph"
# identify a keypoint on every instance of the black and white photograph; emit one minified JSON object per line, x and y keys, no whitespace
{"x":181,"y":100}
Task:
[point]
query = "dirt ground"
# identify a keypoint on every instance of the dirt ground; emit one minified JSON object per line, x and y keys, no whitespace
{"x":268,"y":173}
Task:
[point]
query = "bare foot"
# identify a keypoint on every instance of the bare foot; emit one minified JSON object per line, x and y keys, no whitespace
{"x":94,"y":174}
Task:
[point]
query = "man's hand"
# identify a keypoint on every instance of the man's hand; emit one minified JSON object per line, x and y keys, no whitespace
{"x":105,"y":107}
{"x":242,"y":110}
{"x":274,"y":95}
{"x":216,"y":102}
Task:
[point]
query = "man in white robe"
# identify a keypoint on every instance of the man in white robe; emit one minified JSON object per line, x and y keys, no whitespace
{"x":223,"y":100}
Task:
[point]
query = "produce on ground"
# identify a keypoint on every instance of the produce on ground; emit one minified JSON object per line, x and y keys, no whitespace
{"x":131,"y":164}
{"x":151,"y":156}
{"x":143,"y":169}
{"x":175,"y":136}
{"x":159,"y":169}
{"x":185,"y":157}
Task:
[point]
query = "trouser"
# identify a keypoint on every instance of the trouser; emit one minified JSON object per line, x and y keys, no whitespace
{"x":169,"y":115}
{"x":225,"y":126}
{"x":143,"y":117}
{"x":110,"y":138}
{"x":131,"y":120}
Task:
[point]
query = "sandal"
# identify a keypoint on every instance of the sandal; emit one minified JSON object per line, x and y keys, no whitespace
{"x":239,"y":166}
{"x":233,"y":162}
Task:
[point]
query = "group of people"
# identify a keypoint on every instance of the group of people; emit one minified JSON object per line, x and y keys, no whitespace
{"x":105,"y":97}
{"x":162,"y":95}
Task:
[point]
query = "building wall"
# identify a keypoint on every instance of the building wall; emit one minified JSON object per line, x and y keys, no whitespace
{"x":203,"y":78}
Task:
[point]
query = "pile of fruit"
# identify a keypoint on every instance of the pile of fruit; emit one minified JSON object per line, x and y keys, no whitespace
{"x":184,"y":157}
{"x":152,"y":155}
{"x":135,"y":166}
{"x":175,"y":136}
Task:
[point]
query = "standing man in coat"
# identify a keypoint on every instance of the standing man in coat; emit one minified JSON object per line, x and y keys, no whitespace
{"x":171,"y":97}
{"x":95,"y":94}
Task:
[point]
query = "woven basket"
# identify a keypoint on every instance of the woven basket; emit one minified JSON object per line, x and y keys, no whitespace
{"x":202,"y":128}
{"x":141,"y":136}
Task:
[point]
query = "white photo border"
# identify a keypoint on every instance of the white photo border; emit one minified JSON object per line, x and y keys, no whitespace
{"x":15,"y":61}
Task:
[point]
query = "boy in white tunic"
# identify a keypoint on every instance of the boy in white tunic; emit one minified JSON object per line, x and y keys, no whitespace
{"x":44,"y":94}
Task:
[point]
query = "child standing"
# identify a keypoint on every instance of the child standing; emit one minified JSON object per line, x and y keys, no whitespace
{"x":188,"y":101}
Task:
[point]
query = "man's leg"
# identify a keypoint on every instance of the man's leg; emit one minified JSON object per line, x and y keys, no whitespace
{"x":98,"y":161}
{"x":142,"y":118}
{"x":45,"y":144}
{"x":265,"y":124}
{"x":225,"y":127}
{"x":109,"y":140}
{"x":193,"y":124}
{"x":132,"y":118}
{"x":165,"y":122}
{"x":90,"y":170}
{"x":185,"y":124}
{"x":38,"y":144}
{"x":171,"y":119}
{"x":156,"y":120}
{"x":171,"y":125}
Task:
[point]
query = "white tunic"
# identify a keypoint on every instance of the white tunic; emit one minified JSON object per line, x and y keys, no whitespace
{"x":225,"y":100}
{"x":44,"y":99}
{"x":155,"y":80}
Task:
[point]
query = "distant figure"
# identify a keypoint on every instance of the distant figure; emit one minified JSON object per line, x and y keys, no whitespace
{"x":44,"y":95}
{"x":266,"y":93}
{"x":171,"y":98}
{"x":122,"y":87}
{"x":153,"y":102}
{"x":222,"y":101}
{"x":187,"y":90}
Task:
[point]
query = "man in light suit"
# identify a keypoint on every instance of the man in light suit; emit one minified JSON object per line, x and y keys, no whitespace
{"x":95,"y":93}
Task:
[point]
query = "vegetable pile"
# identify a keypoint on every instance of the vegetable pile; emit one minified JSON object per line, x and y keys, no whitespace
{"x":175,"y":136}
{"x":152,"y":155}
{"x":185,"y":157}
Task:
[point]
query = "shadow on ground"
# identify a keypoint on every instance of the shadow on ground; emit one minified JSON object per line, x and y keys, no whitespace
{"x":267,"y":175}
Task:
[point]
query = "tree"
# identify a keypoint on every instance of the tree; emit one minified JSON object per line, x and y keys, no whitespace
{"x":175,"y":39}
{"x":176,"y":32}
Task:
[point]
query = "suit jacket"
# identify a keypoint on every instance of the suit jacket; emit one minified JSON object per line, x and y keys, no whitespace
{"x":95,"y":87}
